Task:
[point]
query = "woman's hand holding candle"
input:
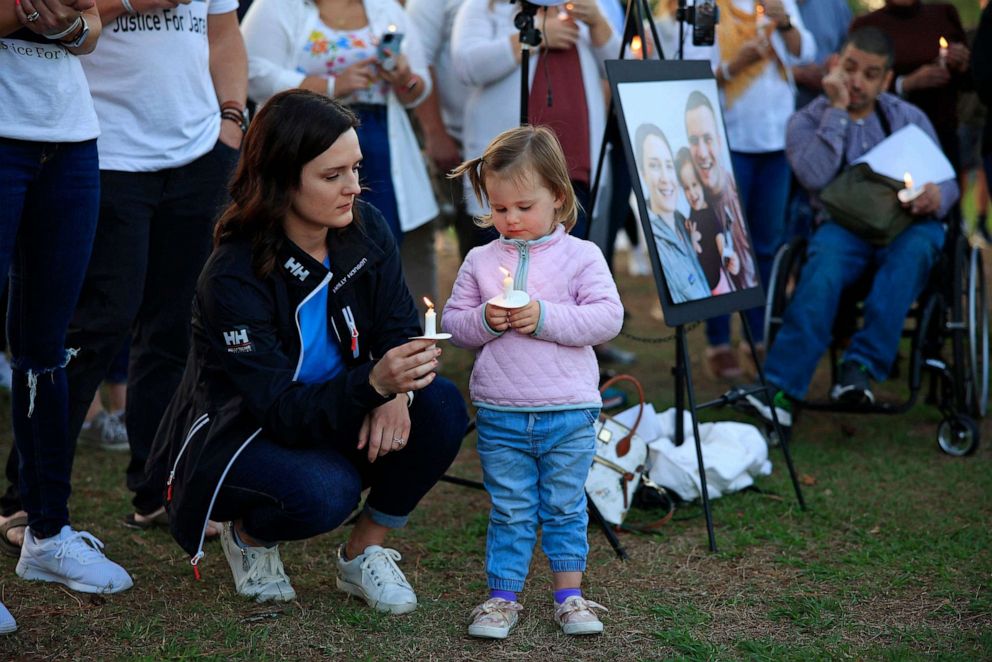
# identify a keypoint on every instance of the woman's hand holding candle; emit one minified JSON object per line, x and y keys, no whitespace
{"x":408,"y":367}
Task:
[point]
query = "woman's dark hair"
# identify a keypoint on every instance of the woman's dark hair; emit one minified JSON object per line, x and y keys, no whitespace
{"x":293,"y":128}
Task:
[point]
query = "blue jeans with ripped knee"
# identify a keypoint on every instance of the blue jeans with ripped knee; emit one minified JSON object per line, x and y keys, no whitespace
{"x":49,"y":198}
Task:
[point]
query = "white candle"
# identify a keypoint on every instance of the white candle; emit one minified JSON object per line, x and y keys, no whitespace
{"x":943,"y":52}
{"x":430,"y":319}
{"x":507,"y":283}
{"x":909,"y":193}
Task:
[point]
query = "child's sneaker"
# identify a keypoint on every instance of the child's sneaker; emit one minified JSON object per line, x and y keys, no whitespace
{"x":494,"y":618}
{"x":576,"y":617}
{"x":107,"y":430}
{"x":73,"y":558}
{"x":258,"y":571}
{"x":374,"y":576}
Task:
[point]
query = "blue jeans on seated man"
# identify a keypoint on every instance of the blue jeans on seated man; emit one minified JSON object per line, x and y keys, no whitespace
{"x":534,"y":465}
{"x":836,"y":258}
{"x":283,"y":493}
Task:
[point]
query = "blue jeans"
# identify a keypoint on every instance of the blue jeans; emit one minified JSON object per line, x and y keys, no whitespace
{"x":763,"y":182}
{"x":534,"y":465}
{"x":377,"y":175}
{"x":283,"y":493}
{"x":836,"y":258}
{"x":49,"y":196}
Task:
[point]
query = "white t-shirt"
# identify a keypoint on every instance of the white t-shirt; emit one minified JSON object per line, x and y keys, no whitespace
{"x":150,"y":80}
{"x":43,"y":93}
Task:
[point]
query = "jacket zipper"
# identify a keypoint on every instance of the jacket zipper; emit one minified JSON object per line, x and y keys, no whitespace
{"x":520,"y":280}
{"x":299,"y":364}
{"x":193,"y":429}
{"x":349,"y":319}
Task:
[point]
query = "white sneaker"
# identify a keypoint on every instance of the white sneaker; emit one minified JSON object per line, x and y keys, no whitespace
{"x":374,"y":576}
{"x":575,"y":616}
{"x":108,"y":431}
{"x":494,"y":618}
{"x":7,"y":622}
{"x":73,"y":558}
{"x":258,"y":571}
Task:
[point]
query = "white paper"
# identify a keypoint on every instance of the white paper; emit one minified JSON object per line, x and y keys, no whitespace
{"x":910,"y":150}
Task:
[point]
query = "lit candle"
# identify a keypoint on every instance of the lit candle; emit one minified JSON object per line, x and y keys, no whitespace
{"x":635,"y":47}
{"x":507,"y":283}
{"x":563,"y":11}
{"x":430,"y":319}
{"x":943,"y":52}
{"x":760,"y":18}
{"x":909,"y":193}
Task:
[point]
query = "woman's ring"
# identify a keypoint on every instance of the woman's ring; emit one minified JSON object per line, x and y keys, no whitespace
{"x":399,"y":441}
{"x":33,"y":16}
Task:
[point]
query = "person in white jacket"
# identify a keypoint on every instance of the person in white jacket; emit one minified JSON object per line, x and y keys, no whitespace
{"x":333,"y":47}
{"x":486,"y":54}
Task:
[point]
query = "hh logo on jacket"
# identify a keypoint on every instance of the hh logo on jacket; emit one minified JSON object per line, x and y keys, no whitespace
{"x":297,"y":269}
{"x":237,"y":341}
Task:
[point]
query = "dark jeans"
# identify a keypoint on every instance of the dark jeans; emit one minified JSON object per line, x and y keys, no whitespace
{"x":763,"y":182}
{"x":285,"y":493}
{"x":377,"y":174}
{"x":49,"y":195}
{"x":152,"y":239}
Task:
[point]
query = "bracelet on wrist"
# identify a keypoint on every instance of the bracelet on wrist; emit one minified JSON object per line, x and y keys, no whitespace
{"x":55,"y":36}
{"x":128,"y":7}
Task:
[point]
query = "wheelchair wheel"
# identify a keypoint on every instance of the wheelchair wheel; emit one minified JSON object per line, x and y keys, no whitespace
{"x":781,"y":284}
{"x":958,"y":435}
{"x":969,"y":326}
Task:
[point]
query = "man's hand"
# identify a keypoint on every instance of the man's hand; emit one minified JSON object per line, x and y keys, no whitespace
{"x":751,"y":51}
{"x":835,"y":87}
{"x":775,"y":11}
{"x":53,"y":15}
{"x":586,"y":11}
{"x":928,"y":203}
{"x":409,"y":367}
{"x":524,"y":320}
{"x":927,"y":77}
{"x":958,"y":58}
{"x":358,"y":76}
{"x":497,"y":318}
{"x":386,"y":428}
{"x":809,"y":76}
{"x":442,"y":150}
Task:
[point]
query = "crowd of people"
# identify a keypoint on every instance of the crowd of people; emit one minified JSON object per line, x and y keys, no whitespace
{"x":237,"y":200}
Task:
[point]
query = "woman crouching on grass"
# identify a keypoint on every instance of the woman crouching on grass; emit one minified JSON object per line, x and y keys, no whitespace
{"x":302,"y":387}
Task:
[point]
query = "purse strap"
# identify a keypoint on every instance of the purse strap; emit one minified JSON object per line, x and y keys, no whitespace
{"x":623,"y":446}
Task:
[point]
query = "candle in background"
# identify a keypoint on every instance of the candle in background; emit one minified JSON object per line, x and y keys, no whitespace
{"x":507,"y":283}
{"x":635,"y":47}
{"x":943,"y":52}
{"x":430,"y":319}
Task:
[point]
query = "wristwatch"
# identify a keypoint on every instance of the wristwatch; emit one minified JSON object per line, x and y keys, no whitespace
{"x":84,"y":32}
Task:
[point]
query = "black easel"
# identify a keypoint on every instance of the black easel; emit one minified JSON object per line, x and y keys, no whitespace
{"x":637,"y":12}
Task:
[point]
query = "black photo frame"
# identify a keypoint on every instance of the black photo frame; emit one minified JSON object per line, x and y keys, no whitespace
{"x":653,"y":95}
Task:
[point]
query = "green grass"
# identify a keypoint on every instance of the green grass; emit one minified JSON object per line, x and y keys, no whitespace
{"x":891,"y":561}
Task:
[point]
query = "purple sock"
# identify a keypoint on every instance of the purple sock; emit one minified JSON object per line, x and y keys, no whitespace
{"x":566,"y":593}
{"x":509,"y":596}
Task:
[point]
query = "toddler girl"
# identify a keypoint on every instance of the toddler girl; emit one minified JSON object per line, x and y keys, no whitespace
{"x":535,"y":377}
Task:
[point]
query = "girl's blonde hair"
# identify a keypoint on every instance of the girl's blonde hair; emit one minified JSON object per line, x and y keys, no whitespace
{"x":515,"y":153}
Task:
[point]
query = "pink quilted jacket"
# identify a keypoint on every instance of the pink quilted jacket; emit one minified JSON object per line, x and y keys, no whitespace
{"x":555,"y":368}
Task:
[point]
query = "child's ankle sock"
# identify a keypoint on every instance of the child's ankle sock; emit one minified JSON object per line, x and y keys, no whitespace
{"x":566,"y":593}
{"x":509,"y":596}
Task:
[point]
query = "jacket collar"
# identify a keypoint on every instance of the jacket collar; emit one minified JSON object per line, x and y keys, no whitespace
{"x":542,"y":243}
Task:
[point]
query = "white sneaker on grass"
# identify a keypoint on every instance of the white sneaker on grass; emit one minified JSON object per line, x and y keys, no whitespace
{"x":7,"y":622}
{"x":73,"y":558}
{"x":494,"y":618}
{"x":575,"y":616}
{"x":374,"y":576}
{"x":258,"y":571}
{"x":106,"y":430}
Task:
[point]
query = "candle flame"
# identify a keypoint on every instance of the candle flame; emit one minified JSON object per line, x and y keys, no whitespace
{"x":391,"y":28}
{"x":759,"y":11}
{"x":430,"y":304}
{"x":569,"y":6}
{"x":506,"y":272}
{"x":635,"y":44}
{"x":908,"y":180}
{"x":943,"y":43}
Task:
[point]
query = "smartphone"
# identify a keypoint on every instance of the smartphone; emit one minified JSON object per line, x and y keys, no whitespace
{"x":705,"y":17}
{"x":389,"y":42}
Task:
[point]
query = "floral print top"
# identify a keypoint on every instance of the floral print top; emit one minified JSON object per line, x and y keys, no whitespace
{"x":328,"y":51}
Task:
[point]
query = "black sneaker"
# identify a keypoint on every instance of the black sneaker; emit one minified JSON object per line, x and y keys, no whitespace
{"x":757,"y":403}
{"x":853,"y":386}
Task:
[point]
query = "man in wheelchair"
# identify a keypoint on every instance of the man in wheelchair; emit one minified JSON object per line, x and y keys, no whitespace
{"x":852,"y":116}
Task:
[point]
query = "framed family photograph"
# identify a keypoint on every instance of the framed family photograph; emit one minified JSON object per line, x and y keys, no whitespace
{"x":675,"y":141}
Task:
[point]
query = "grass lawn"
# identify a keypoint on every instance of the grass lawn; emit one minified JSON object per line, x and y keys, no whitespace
{"x":891,"y":561}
